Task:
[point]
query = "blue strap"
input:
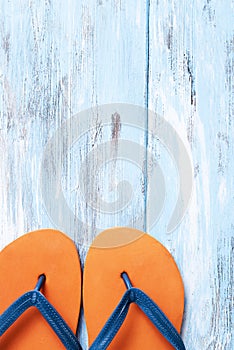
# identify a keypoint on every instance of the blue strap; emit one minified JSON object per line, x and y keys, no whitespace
{"x":37,"y":299}
{"x":151,"y":310}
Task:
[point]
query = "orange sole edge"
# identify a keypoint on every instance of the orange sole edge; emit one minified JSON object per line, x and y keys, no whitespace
{"x":150,"y":267}
{"x":48,"y":252}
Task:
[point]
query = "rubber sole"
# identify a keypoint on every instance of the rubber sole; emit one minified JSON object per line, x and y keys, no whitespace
{"x":150,"y":267}
{"x":48,"y":252}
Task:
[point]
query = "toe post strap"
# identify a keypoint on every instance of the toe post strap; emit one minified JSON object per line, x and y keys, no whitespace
{"x":37,"y":299}
{"x":126,"y":279}
{"x":150,"y":309}
{"x":40,"y":282}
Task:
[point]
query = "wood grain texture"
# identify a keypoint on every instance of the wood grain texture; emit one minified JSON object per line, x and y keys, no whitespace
{"x":191,"y":84}
{"x":176,"y":57}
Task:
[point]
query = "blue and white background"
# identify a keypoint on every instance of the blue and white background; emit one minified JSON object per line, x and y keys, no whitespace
{"x":59,"y":59}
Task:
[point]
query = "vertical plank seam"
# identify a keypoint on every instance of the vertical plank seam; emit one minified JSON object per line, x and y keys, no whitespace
{"x":147,"y":114}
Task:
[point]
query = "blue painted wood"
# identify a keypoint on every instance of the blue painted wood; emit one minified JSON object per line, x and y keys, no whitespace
{"x":59,"y":58}
{"x":191,"y":84}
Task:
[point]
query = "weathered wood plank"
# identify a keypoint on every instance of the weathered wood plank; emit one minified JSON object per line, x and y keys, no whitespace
{"x":191,"y":85}
{"x":63,"y":60}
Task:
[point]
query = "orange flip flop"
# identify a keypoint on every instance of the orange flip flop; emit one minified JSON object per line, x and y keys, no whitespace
{"x":34,"y":319}
{"x":129,"y":264}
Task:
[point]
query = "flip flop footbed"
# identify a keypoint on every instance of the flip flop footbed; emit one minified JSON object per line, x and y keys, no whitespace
{"x":150,"y":268}
{"x":53,"y":254}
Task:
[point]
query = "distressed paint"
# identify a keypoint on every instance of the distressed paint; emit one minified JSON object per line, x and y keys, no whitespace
{"x":58,"y":58}
{"x":191,"y":84}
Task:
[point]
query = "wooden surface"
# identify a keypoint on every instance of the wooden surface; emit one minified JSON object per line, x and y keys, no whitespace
{"x":58,"y":58}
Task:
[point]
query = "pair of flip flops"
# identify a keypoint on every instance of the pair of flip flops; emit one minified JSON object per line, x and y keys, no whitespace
{"x":126,"y":270}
